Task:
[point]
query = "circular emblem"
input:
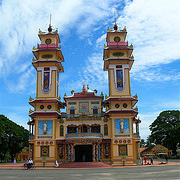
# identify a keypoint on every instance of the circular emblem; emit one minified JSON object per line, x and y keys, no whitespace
{"x":125,"y":105}
{"x":41,"y":106}
{"x":42,"y":142}
{"x":129,"y":141}
{"x":124,"y":141}
{"x":116,"y":141}
{"x":120,"y":141}
{"x":117,"y":105}
{"x":49,"y":106}
{"x":117,"y":39}
{"x":48,"y":41}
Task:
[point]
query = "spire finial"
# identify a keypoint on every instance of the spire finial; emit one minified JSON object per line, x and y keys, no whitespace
{"x":50,"y":27}
{"x":115,"y":24}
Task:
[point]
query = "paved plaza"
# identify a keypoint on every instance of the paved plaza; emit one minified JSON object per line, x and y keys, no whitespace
{"x":132,"y":173}
{"x":145,"y":172}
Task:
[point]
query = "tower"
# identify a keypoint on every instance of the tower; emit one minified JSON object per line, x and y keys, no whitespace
{"x":118,"y":60}
{"x":47,"y":62}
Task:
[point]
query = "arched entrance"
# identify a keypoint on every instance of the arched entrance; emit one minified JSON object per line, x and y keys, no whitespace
{"x":83,"y":153}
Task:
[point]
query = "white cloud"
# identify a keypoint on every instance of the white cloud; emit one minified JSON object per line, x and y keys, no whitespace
{"x":153,"y":28}
{"x":19,"y":28}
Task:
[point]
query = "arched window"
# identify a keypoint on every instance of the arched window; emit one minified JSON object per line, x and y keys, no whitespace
{"x":95,"y":110}
{"x":72,"y":110}
{"x":105,"y":130}
{"x":61,"y":130}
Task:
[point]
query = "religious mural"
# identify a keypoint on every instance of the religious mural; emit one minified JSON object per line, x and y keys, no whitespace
{"x":123,"y":150}
{"x":122,"y":126}
{"x":83,"y":107}
{"x":45,"y":127}
{"x":44,"y":151}
{"x":46,"y":81}
{"x":119,"y":79}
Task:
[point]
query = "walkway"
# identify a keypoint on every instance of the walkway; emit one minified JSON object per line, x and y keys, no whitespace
{"x":80,"y":165}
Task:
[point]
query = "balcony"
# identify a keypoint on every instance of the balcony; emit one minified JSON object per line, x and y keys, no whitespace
{"x":31,"y":137}
{"x":136,"y":135}
{"x":47,"y":46}
{"x":83,"y":116}
{"x":84,"y":134}
{"x":117,"y":44}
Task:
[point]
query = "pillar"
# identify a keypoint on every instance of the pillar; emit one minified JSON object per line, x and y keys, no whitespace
{"x":94,"y":153}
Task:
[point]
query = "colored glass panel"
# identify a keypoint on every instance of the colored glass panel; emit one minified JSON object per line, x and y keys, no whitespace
{"x":119,"y":78}
{"x":46,"y":81}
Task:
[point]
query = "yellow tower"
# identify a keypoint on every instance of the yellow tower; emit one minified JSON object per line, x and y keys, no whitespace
{"x":118,"y":60}
{"x":47,"y":62}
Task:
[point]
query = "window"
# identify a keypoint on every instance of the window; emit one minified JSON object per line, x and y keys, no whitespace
{"x":105,"y":130}
{"x":61,"y":130}
{"x":95,"y":110}
{"x":72,"y":110}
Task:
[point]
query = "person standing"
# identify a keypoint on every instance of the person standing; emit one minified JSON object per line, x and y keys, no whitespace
{"x":145,"y":160}
{"x":166,"y":160}
{"x":152,"y":161}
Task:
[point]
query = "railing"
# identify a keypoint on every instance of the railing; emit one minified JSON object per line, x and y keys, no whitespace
{"x":84,"y":134}
{"x":136,"y":135}
{"x":83,"y":116}
{"x":40,"y":46}
{"x":31,"y":137}
{"x":117,"y":44}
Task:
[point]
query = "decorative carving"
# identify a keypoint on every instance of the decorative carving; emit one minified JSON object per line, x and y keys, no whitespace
{"x":34,"y":48}
{"x":124,"y":30}
{"x":33,"y":60}
{"x":107,"y":150}
{"x":109,"y":29}
{"x":131,"y":46}
{"x":30,"y":98}
{"x":61,"y":151}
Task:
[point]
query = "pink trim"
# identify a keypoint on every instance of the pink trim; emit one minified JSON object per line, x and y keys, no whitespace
{"x":117,"y":44}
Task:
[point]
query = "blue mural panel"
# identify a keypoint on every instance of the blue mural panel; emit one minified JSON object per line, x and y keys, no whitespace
{"x":118,"y":126}
{"x":45,"y":127}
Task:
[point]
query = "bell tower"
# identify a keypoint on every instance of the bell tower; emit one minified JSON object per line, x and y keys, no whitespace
{"x":118,"y":60}
{"x":47,"y":61}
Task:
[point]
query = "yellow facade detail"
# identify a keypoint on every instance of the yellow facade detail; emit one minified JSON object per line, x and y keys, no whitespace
{"x":83,"y":126}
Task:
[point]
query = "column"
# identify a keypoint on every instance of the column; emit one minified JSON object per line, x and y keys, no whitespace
{"x":69,"y":151}
{"x":137,"y":127}
{"x":97,"y":153}
{"x":94,"y":153}
{"x":72,"y":152}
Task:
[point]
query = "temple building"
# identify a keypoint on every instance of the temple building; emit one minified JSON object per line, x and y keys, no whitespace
{"x":94,"y":128}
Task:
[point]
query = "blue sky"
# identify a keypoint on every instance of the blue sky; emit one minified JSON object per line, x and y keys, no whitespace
{"x":153,"y":29}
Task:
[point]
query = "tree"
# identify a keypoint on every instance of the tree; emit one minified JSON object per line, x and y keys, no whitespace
{"x":165,"y":129}
{"x":13,"y":138}
{"x":142,"y":143}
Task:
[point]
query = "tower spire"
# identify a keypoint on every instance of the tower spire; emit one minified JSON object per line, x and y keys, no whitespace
{"x":50,"y":27}
{"x":115,"y":24}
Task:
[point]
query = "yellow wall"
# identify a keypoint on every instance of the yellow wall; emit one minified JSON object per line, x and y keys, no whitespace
{"x":113,"y":90}
{"x":52,"y":93}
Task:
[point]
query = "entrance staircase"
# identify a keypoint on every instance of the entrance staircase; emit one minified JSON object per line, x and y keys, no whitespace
{"x":84,"y":165}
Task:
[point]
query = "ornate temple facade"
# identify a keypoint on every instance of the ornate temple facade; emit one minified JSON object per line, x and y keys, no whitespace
{"x":93,"y":128}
